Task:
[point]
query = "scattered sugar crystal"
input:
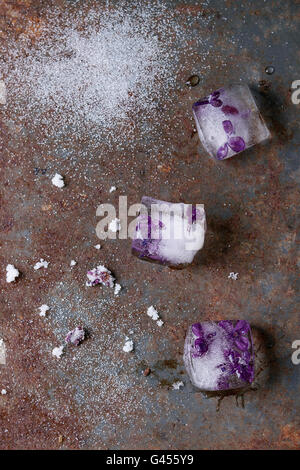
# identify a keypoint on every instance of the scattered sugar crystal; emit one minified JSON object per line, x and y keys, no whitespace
{"x":219,"y":355}
{"x":75,"y":336}
{"x":58,"y":180}
{"x":177,"y":385}
{"x":118,"y":287}
{"x":2,"y":92}
{"x":233,"y":276}
{"x":11,"y":273}
{"x":3,"y":391}
{"x":112,"y":189}
{"x":169,"y":234}
{"x":43,"y":309}
{"x":41,"y":264}
{"x":2,"y":352}
{"x":97,"y":246}
{"x":115,"y":225}
{"x":73,"y":263}
{"x":152,"y":313}
{"x":160,"y":323}
{"x":58,"y":352}
{"x":100,"y":275}
{"x":128,"y":346}
{"x":229,"y":122}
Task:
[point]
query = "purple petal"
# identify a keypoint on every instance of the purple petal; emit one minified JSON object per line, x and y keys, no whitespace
{"x":222,"y":152}
{"x":237,"y":144}
{"x":216,"y":103}
{"x":228,"y":127}
{"x":242,"y":326}
{"x":201,"y":347}
{"x":215,"y":94}
{"x":242,"y":343}
{"x":229,"y":110}
{"x":200,"y":103}
{"x":227,"y":325}
{"x":197,"y":330}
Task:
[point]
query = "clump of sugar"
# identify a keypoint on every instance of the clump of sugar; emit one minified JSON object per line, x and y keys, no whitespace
{"x":2,"y":352}
{"x":153,"y":313}
{"x":233,"y":276}
{"x":115,"y":225}
{"x":128,"y":346}
{"x":117,"y":289}
{"x":75,"y":336}
{"x":177,"y":385}
{"x":58,"y":352}
{"x":43,"y":309}
{"x":41,"y":264}
{"x":2,"y":92}
{"x":11,"y":273}
{"x":98,"y":246}
{"x":73,"y":263}
{"x":112,"y":189}
{"x":58,"y":181}
{"x":3,"y":391}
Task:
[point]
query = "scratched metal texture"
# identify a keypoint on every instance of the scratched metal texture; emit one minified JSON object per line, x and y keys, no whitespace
{"x":96,"y":396}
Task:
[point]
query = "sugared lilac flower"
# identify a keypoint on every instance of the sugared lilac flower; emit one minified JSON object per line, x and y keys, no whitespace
{"x":219,"y":355}
{"x":75,"y":336}
{"x":100,"y":275}
{"x":169,"y":234}
{"x":229,"y":122}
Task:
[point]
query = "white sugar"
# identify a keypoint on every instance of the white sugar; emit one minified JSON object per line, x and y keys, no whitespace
{"x":2,"y":352}
{"x":233,"y":276}
{"x":117,"y":289}
{"x":152,"y":313}
{"x":177,"y":385}
{"x":73,"y":263}
{"x":2,"y":92}
{"x":43,"y":309}
{"x":58,"y":352}
{"x":11,"y":273}
{"x":41,"y":264}
{"x":128,"y":346}
{"x":58,"y":180}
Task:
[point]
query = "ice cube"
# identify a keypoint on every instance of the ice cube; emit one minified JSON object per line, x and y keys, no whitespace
{"x":229,"y":122}
{"x":167,"y":233}
{"x":219,"y":355}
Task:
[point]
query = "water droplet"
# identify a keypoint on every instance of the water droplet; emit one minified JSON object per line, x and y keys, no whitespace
{"x":193,"y":80}
{"x":270,"y":69}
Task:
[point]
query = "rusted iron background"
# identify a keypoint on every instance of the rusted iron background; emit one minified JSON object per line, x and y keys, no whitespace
{"x":96,"y":396}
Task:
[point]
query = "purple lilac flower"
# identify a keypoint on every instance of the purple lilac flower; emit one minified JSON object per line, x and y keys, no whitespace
{"x":201,"y":343}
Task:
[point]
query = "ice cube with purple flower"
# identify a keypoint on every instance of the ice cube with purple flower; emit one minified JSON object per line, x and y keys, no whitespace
{"x":219,"y":355}
{"x":228,"y":121}
{"x":167,"y":233}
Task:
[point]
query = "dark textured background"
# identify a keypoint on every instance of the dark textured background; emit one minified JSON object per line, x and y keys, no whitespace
{"x":96,"y":396}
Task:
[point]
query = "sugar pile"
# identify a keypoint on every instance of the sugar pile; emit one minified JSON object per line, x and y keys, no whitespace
{"x":99,"y":70}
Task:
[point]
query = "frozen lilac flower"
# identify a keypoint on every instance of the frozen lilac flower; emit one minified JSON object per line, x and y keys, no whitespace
{"x":169,"y":234}
{"x":219,"y":355}
{"x":222,"y":137}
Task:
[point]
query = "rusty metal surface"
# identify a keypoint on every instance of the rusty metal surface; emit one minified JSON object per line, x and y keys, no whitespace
{"x":96,"y":396}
